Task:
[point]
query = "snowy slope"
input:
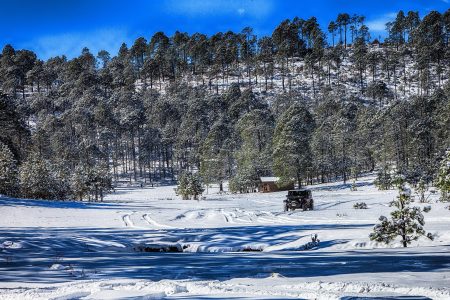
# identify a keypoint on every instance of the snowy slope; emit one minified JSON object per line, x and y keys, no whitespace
{"x":227,"y":246}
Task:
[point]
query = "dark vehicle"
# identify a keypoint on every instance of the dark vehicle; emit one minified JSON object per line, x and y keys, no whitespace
{"x":299,"y":199}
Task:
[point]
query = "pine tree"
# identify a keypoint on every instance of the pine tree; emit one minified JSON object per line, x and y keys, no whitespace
{"x":190,"y":185}
{"x":183,"y":186}
{"x":8,"y":172}
{"x":421,"y":189}
{"x":61,"y":173}
{"x":254,"y":155}
{"x":36,"y":180}
{"x":99,"y":181}
{"x":291,"y":144}
{"x":360,"y":60}
{"x":216,"y":152}
{"x":246,"y":180}
{"x":196,"y":186}
{"x":92,"y":181}
{"x":78,"y":182}
{"x":406,"y":222}
{"x":443,"y":179}
{"x":384,"y":178}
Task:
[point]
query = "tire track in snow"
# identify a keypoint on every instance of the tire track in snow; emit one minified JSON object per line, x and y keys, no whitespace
{"x":228,"y":216}
{"x":243,"y":221}
{"x":152,"y":222}
{"x":127,"y":220}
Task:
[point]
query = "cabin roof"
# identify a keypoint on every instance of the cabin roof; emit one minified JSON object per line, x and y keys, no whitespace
{"x":269,"y":179}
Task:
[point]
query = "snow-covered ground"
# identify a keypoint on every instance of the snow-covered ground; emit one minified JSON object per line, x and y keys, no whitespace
{"x":224,"y":247}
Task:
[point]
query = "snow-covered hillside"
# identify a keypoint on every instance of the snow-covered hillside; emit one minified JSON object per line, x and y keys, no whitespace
{"x":225,"y":246}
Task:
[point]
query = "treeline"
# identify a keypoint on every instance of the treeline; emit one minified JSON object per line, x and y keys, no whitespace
{"x":231,"y":106}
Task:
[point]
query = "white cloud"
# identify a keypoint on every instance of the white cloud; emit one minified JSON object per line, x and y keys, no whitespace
{"x":71,"y":44}
{"x":256,"y":8}
{"x":446,"y":1}
{"x":379,"y":24}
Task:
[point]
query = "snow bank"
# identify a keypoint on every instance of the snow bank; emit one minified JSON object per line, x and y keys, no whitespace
{"x":272,"y":287}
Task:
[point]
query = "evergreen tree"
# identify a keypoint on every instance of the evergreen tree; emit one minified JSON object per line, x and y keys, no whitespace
{"x":443,"y":177}
{"x":36,"y":179}
{"x":61,"y":174}
{"x":78,"y":182}
{"x":406,"y":222}
{"x":343,"y":20}
{"x":359,"y":60}
{"x":246,"y":180}
{"x":196,"y":186}
{"x":421,"y":189}
{"x":384,"y":178}
{"x":99,"y":182}
{"x":8,"y":172}
{"x":378,"y":91}
{"x":13,"y":129}
{"x":291,"y":144}
{"x":216,"y":153}
{"x":190,"y":185}
{"x":254,"y":154}
{"x":332,"y":27}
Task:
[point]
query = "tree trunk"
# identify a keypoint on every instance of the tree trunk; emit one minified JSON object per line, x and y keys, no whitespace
{"x":133,"y":153}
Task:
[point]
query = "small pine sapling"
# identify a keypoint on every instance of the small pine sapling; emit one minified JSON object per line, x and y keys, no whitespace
{"x":421,"y":190}
{"x":190,"y":185}
{"x":406,"y":222}
{"x":183,"y":186}
{"x":353,"y":188}
{"x":360,"y":205}
{"x":427,"y":209}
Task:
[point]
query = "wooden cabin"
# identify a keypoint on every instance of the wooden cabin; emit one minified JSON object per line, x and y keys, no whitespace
{"x":269,"y":185}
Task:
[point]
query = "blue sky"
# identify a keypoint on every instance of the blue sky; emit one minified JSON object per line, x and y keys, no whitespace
{"x":54,"y":27}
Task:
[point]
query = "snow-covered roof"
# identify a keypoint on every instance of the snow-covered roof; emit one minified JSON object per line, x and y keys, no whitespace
{"x":269,"y":179}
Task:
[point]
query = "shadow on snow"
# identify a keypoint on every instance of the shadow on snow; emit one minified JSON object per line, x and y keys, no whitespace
{"x":109,"y":253}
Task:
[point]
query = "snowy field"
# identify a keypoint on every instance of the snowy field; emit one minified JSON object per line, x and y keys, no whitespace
{"x":223,"y":247}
